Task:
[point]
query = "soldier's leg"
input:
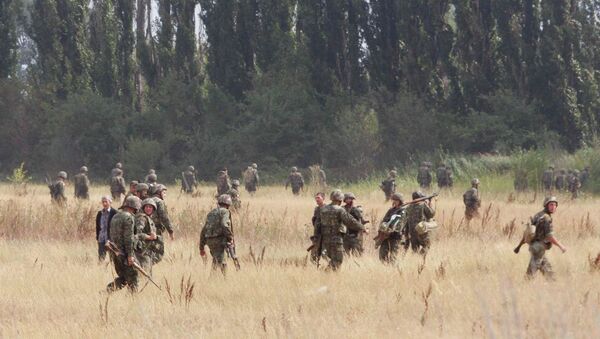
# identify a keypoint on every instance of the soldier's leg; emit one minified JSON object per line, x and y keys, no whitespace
{"x":536,"y":251}
{"x":414,"y":241}
{"x":119,"y":281}
{"x":347,"y":244}
{"x":217,"y":251}
{"x":546,"y":268}
{"x":335,"y":250}
{"x":384,"y":251}
{"x":157,"y":249}
{"x":425,"y":243}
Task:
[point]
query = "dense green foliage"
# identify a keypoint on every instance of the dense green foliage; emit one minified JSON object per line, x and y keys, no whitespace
{"x":363,"y":84}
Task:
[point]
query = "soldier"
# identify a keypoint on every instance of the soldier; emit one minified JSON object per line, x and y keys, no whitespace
{"x":388,"y":250}
{"x":472,"y":200}
{"x":161,"y":221}
{"x":82,"y":184}
{"x":57,"y":189}
{"x":415,"y":214}
{"x":316,"y":248}
{"x":141,"y":190}
{"x":151,"y":177}
{"x":334,"y":221}
{"x":296,"y":180}
{"x":543,"y":240}
{"x":122,"y":234}
{"x":235,"y":195}
{"x":442,"y":176}
{"x":132,"y":189}
{"x":251,"y":178}
{"x":223,"y":182}
{"x":322,"y":178}
{"x":585,"y":176}
{"x":145,"y":234}
{"x":574,"y":185}
{"x":217,"y":233}
{"x":117,"y":182}
{"x":353,"y":240}
{"x":388,"y":186}
{"x":189,"y":183}
{"x":548,"y":178}
{"x":560,"y":183}
{"x":424,"y":177}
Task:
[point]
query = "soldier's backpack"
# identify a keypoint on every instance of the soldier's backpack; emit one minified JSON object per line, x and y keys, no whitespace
{"x":425,"y":226}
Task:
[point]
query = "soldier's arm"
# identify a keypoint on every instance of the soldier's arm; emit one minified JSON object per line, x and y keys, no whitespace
{"x":163,"y":216}
{"x":428,"y":211}
{"x":226,"y":224}
{"x":350,"y":222}
{"x":128,"y":235}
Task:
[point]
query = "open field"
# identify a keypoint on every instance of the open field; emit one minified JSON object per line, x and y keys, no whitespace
{"x":471,"y":284}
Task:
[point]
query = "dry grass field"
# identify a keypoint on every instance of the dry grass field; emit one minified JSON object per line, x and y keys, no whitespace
{"x":471,"y":284}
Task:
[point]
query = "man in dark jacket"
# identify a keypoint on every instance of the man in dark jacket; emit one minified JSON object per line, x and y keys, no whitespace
{"x":103,"y":219}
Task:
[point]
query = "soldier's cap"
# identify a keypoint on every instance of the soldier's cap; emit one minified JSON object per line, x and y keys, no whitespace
{"x":336,"y":195}
{"x":224,"y":199}
{"x":132,"y":202}
{"x":134,"y":183}
{"x":83,"y":169}
{"x":549,"y":200}
{"x":417,"y":195}
{"x":142,"y":186}
{"x":62,"y":174}
{"x":475,"y":181}
{"x":397,"y":197}
{"x":150,"y":202}
{"x":349,"y":195}
{"x":119,"y":165}
{"x":191,"y":168}
{"x":235,"y":182}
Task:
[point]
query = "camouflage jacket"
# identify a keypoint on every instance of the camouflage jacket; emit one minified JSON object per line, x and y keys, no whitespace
{"x":471,"y":198}
{"x":295,"y":179}
{"x":81,"y":183}
{"x":122,"y":232}
{"x":543,"y":226}
{"x":335,"y":220}
{"x":115,"y":172}
{"x":57,"y":191}
{"x":424,"y":176}
{"x":117,"y":184}
{"x":389,"y":185}
{"x":574,"y":184}
{"x":548,"y":177}
{"x":189,"y":178}
{"x":251,"y":177}
{"x":356,"y":213}
{"x":316,"y":220}
{"x":223,"y":183}
{"x":388,"y":216}
{"x":218,"y":224}
{"x":161,"y":217}
{"x":560,"y":181}
{"x":144,"y":226}
{"x":416,"y":213}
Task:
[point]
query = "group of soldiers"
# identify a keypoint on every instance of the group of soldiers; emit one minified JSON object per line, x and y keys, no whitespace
{"x":565,"y":180}
{"x":444,"y":178}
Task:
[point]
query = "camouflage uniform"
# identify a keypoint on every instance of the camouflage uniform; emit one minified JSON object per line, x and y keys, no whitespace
{"x":560,"y":183}
{"x":57,"y":189}
{"x":354,"y":240}
{"x":585,"y":176}
{"x":217,"y":234}
{"x":444,"y":176}
{"x":163,"y":223}
{"x":223,"y":183}
{"x":539,"y":245}
{"x":316,"y":238}
{"x":251,"y":179}
{"x":322,"y":178}
{"x":296,"y":180}
{"x":122,"y":234}
{"x":472,"y":201}
{"x":117,"y":184}
{"x":574,"y":185}
{"x":235,"y":195}
{"x":424,"y":177}
{"x":548,"y":178}
{"x":388,"y":186}
{"x":388,"y":250}
{"x":415,"y":214}
{"x":189,"y":183}
{"x":82,"y":184}
{"x":151,"y":178}
{"x":334,"y":220}
{"x":144,"y":227}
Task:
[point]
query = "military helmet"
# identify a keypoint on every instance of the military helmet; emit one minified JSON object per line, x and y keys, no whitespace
{"x":132,"y":202}
{"x":235,"y":182}
{"x":475,"y":181}
{"x":83,"y":169}
{"x":254,"y":165}
{"x":417,"y":195}
{"x":549,"y":200}
{"x":62,"y":174}
{"x":152,"y":177}
{"x":336,"y":195}
{"x":142,"y":186}
{"x":224,"y":199}
{"x":134,"y":183}
{"x":119,"y":165}
{"x":150,"y":202}
{"x":393,"y":173}
{"x":151,"y":171}
{"x":397,"y":197}
{"x":294,"y":169}
{"x":159,"y":188}
{"x":191,"y":168}
{"x":349,"y":195}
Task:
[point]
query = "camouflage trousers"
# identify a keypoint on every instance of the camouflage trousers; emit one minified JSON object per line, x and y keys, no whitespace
{"x":116,"y":196}
{"x":296,"y":190}
{"x":82,"y":194}
{"x":471,"y":212}
{"x":251,"y":188}
{"x":388,"y":251}
{"x":317,"y":250}
{"x":126,"y":275}
{"x":574,"y":194}
{"x":217,"y":248}
{"x":145,"y":260}
{"x":538,"y":261}
{"x":156,"y":249}
{"x":420,"y":242}
{"x":353,"y":243}
{"x":334,"y":245}
{"x":388,"y":195}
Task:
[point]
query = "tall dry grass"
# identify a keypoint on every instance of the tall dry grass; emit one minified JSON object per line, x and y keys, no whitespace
{"x":470,"y":285}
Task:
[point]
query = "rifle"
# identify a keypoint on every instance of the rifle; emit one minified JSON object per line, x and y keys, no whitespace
{"x":113,"y":248}
{"x":186,"y":187}
{"x":230,"y":249}
{"x":381,"y":236}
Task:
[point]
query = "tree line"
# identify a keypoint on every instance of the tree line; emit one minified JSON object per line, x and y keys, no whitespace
{"x":358,"y":84}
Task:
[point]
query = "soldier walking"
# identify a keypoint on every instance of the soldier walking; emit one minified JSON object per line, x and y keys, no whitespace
{"x":444,"y":176}
{"x":235,"y":195}
{"x":188,"y":182}
{"x":162,"y":222}
{"x":424,"y":177}
{"x":389,"y":247}
{"x":316,"y":248}
{"x":416,"y":213}
{"x":117,"y":182}
{"x":548,"y":178}
{"x":296,"y":180}
{"x":354,"y":240}
{"x":388,"y":186}
{"x":574,"y":185}
{"x":334,"y":222}
{"x":251,"y":178}
{"x":217,"y":233}
{"x":223,"y":182}
{"x":57,"y":189}
{"x":145,"y":234}
{"x":81,"y":184}
{"x":472,"y":200}
{"x":560,"y":183}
